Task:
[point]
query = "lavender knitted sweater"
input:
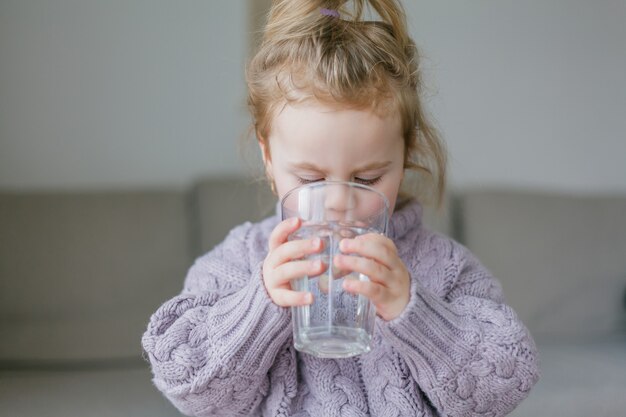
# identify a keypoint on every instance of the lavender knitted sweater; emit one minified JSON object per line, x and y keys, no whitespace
{"x":222,"y":348}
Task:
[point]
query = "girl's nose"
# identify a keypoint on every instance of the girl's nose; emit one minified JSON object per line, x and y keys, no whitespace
{"x":339,"y":201}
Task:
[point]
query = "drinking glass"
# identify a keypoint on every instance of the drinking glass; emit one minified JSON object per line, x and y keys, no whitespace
{"x":337,"y":324}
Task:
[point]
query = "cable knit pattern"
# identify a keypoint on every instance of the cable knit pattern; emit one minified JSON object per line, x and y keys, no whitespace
{"x":222,"y":348}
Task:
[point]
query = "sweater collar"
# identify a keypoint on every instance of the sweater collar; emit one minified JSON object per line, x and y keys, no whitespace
{"x":406,"y":216}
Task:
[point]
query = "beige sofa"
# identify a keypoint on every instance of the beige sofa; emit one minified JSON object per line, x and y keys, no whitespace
{"x":80,"y":274}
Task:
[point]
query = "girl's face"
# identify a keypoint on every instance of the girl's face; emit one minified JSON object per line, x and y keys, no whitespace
{"x":314,"y":142}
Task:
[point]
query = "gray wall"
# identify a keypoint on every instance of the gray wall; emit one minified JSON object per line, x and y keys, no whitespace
{"x":100,"y":94}
{"x":120,"y":93}
{"x":529,"y":93}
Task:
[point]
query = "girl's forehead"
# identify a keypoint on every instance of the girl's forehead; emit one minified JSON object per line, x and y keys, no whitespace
{"x":308,"y":103}
{"x":326,"y":135}
{"x":313,"y":117}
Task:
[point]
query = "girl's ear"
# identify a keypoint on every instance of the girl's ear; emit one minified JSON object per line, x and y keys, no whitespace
{"x":267,"y":162}
{"x":265,"y":152}
{"x":267,"y":159}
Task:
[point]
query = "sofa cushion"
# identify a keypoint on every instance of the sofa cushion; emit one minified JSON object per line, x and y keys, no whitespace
{"x":82,"y":272}
{"x":111,"y":392}
{"x":561,"y":259}
{"x":220,"y":203}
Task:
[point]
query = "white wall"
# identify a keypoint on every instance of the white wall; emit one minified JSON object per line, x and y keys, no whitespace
{"x":97,"y":94}
{"x":530,"y":93}
{"x":107,"y":93}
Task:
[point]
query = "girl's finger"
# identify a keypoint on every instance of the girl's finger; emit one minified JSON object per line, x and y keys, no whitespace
{"x":295,"y":249}
{"x":369,"y":289}
{"x":373,"y":246}
{"x":289,"y":271}
{"x":289,"y":298}
{"x":282,"y":231}
{"x":373,"y":270}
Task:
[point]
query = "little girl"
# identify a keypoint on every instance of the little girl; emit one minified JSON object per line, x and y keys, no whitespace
{"x":336,"y":97}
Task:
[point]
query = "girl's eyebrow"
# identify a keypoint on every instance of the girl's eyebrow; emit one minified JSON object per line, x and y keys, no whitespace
{"x":369,"y":167}
{"x":374,"y":166}
{"x":306,"y":166}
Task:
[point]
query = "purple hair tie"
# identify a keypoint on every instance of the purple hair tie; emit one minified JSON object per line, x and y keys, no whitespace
{"x":330,"y":12}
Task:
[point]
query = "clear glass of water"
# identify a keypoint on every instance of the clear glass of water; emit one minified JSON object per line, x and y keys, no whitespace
{"x":337,"y":324}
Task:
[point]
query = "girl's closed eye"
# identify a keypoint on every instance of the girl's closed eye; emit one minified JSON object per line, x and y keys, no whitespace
{"x":304,"y":181}
{"x":368,"y":181}
{"x":359,"y":180}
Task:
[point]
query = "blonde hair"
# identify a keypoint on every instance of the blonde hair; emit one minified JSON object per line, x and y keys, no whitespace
{"x":308,"y":53}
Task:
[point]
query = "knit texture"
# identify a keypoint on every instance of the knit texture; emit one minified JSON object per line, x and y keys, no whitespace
{"x":223,"y":348}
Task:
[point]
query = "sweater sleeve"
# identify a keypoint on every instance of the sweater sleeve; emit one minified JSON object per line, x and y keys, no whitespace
{"x":212,"y":347}
{"x":465,"y":348}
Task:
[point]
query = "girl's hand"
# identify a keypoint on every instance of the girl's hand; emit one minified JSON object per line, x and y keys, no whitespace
{"x":284,"y":263}
{"x":389,"y":284}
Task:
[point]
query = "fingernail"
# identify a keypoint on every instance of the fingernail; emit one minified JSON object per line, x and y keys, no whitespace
{"x":316,"y":242}
{"x":308,"y":298}
{"x":294,"y":221}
